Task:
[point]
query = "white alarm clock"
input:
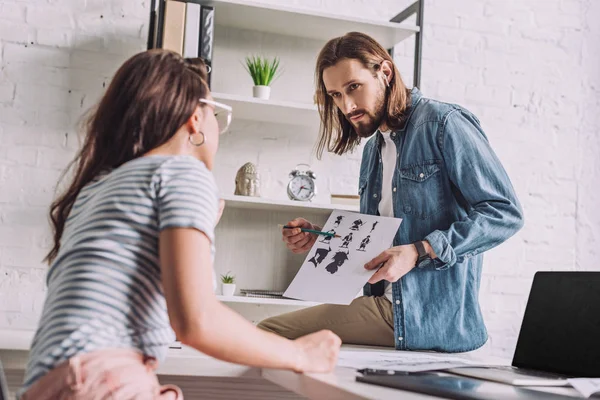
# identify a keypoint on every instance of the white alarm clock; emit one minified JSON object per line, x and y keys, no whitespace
{"x":302,"y":183}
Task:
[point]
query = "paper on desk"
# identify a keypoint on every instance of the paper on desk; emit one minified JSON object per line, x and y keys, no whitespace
{"x":333,"y":271}
{"x":586,"y":386}
{"x":402,"y":361}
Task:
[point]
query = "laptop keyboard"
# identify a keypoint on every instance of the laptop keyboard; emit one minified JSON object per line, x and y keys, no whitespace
{"x":532,"y":372}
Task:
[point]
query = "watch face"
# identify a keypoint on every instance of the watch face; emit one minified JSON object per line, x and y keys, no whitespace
{"x":301,"y":188}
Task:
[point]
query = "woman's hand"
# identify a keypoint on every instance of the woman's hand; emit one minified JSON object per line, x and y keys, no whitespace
{"x":318,"y":352}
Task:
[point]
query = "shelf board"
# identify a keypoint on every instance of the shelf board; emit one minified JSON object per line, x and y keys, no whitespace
{"x":259,"y":203}
{"x":282,"y":20}
{"x":269,"y":301}
{"x":16,"y":339}
{"x":275,"y":111}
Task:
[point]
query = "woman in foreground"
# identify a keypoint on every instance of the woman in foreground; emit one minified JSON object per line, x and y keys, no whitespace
{"x":132,"y":262}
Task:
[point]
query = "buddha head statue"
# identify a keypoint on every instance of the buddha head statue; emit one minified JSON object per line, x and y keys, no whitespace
{"x":247,"y":181}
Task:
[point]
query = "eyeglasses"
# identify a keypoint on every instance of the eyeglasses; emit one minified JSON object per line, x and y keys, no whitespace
{"x":223,"y":114}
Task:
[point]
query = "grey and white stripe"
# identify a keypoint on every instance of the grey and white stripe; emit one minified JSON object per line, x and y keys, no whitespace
{"x":104,"y":288}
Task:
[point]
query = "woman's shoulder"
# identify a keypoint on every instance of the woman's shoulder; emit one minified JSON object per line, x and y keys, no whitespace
{"x":166,"y":165}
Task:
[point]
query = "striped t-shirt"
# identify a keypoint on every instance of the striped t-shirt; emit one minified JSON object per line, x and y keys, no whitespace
{"x":104,"y":287}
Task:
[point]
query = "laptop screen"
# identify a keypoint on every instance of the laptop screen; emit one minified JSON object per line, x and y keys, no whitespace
{"x":561,"y":327}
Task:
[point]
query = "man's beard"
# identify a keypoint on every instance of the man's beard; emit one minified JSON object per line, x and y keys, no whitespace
{"x":370,"y":121}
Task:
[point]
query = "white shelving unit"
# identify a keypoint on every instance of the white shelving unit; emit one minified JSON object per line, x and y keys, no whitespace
{"x":258,"y":203}
{"x":273,"y":111}
{"x":289,"y":21}
{"x":248,"y":243}
{"x":267,"y":301}
{"x":295,"y":22}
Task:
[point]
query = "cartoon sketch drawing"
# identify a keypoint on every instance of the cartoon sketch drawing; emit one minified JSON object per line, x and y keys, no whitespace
{"x":333,"y":270}
{"x":374,"y":225}
{"x":338,"y":259}
{"x":327,"y":239}
{"x":319,"y":256}
{"x":357,"y":224}
{"x":338,"y":221}
{"x":346,"y":241}
{"x":364,"y":243}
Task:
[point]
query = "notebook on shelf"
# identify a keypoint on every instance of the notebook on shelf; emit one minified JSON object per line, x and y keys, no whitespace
{"x":261,"y":293}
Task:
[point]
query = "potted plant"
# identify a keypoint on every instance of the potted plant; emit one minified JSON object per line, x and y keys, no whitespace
{"x":228,"y":284}
{"x":263,"y":71}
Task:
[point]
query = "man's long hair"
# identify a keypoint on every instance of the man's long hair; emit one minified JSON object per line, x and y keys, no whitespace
{"x":337,"y":134}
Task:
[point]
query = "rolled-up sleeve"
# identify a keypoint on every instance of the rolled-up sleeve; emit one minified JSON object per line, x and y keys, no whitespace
{"x":494,"y":212}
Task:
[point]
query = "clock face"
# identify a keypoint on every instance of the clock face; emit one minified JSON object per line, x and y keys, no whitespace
{"x":301,"y":188}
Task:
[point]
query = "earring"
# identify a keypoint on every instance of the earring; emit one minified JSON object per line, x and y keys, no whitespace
{"x":387,"y":83}
{"x":195,"y":143}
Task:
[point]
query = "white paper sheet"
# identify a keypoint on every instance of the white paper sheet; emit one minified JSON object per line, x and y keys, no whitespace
{"x":333,"y":271}
{"x":402,"y":361}
{"x":586,"y":386}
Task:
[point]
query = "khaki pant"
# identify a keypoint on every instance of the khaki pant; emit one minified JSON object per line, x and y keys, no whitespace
{"x":367,"y":321}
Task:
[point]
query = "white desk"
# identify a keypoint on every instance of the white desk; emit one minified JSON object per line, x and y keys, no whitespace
{"x":201,"y":376}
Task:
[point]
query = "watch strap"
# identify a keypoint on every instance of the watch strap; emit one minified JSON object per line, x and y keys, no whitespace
{"x":423,"y":255}
{"x":420,"y":249}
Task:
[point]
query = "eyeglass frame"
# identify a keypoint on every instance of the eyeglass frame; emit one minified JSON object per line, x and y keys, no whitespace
{"x":223,"y":107}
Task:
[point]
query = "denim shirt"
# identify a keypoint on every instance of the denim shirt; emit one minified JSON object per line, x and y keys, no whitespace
{"x":451,"y":190}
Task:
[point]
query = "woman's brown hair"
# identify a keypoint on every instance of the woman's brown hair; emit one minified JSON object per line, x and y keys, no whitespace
{"x":337,"y":134}
{"x":150,"y":97}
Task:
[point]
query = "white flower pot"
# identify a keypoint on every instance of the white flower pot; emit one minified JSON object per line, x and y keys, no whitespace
{"x":228,"y":289}
{"x":261,"y":92}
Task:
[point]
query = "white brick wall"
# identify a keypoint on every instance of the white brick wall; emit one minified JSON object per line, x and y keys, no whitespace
{"x":529,"y":69}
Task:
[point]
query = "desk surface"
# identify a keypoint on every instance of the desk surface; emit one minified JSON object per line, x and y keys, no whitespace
{"x":340,"y":384}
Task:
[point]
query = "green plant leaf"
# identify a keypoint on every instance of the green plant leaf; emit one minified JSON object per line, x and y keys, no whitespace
{"x":228,"y":278}
{"x":261,"y":69}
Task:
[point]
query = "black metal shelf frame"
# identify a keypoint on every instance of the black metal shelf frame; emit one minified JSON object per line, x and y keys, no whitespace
{"x":157,"y":11}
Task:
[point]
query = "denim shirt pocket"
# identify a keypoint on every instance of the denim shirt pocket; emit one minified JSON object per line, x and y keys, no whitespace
{"x":421,"y":188}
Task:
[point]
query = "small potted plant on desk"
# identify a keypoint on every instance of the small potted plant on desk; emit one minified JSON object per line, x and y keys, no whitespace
{"x":263,"y":71}
{"x":228,"y":284}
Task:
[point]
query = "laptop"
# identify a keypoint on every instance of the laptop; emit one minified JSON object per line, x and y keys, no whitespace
{"x":560,"y":333}
{"x":458,"y":387}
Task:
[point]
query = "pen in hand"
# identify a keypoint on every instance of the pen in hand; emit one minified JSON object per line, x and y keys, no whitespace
{"x":310,"y":231}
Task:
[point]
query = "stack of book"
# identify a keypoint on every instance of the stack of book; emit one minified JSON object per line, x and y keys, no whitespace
{"x":346,"y":199}
{"x":267,"y":294}
{"x":186,"y":28}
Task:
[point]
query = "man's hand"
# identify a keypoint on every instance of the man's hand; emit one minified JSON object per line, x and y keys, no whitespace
{"x":398,"y":261}
{"x":297,"y":241}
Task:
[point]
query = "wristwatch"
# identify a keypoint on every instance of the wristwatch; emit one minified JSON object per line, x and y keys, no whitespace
{"x":424,"y":257}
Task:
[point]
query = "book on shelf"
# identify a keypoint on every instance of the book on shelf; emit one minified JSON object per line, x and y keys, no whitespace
{"x":188,"y":29}
{"x":260,"y":293}
{"x":345,"y":199}
{"x":174,"y":26}
{"x":206,"y":36}
{"x":265,"y":296}
{"x":191,"y":36}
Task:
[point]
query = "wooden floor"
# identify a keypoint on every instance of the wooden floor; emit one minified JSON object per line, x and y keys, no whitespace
{"x":229,"y":388}
{"x":213,"y":388}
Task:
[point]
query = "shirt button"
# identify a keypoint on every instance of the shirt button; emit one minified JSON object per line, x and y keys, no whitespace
{"x":380,"y":160}
{"x":421,"y":175}
{"x":375,"y":195}
{"x":397,"y":301}
{"x":393,"y":134}
{"x":400,"y":338}
{"x":394,"y":189}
